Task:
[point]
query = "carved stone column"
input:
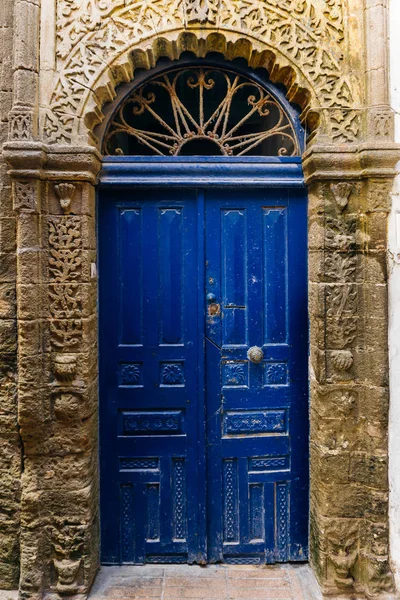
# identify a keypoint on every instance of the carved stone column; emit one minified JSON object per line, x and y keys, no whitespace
{"x":349,"y":197}
{"x":54,"y":197}
{"x":24,"y":114}
{"x":10,"y":454}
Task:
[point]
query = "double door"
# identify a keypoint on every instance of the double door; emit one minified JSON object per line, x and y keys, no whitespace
{"x":203,"y":376}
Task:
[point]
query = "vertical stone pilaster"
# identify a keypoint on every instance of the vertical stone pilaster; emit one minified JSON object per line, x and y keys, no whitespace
{"x":57,"y":366}
{"x":10,"y":454}
{"x":27,"y":198}
{"x":73,"y":522}
{"x":349,"y":371}
{"x":23,"y":124}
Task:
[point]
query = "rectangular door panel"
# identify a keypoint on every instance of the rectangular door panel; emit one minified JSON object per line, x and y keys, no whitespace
{"x":257,"y":411}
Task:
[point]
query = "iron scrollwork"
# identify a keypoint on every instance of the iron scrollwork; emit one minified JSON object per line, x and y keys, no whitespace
{"x":198,"y":111}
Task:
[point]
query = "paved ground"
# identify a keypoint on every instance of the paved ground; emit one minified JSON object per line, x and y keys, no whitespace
{"x":179,"y":582}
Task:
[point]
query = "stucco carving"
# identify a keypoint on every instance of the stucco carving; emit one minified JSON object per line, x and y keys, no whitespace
{"x":342,"y":542}
{"x":65,"y":193}
{"x":25,"y":194}
{"x":20,"y":127}
{"x":67,"y":542}
{"x":65,"y":262}
{"x":300,"y":42}
{"x":340,"y":271}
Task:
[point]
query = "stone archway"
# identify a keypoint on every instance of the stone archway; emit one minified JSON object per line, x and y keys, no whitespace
{"x":349,"y":167}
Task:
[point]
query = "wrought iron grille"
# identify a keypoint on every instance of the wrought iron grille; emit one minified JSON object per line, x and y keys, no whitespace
{"x":197,"y":111}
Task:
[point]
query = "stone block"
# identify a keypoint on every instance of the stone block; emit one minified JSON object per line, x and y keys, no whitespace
{"x":9,"y":575}
{"x":316,"y":233}
{"x":374,"y":575}
{"x":331,"y":466}
{"x":9,"y":548}
{"x":29,"y":231}
{"x":372,"y":366}
{"x":30,"y":301}
{"x":29,"y":267}
{"x":316,"y":266}
{"x":372,"y":267}
{"x":25,"y":86}
{"x":351,"y":501}
{"x":10,"y":457}
{"x":6,"y":101}
{"x":374,"y":404}
{"x":376,"y":231}
{"x":30,"y":338}
{"x":6,"y":15}
{"x":375,"y":538}
{"x":8,"y":423}
{"x":316,"y":301}
{"x":8,"y":267}
{"x":77,"y":506}
{"x":8,"y":336}
{"x":318,"y":364}
{"x":373,"y":334}
{"x":31,"y":371}
{"x":335,"y":401}
{"x":67,"y":473}
{"x":33,"y":412}
{"x":373,"y":301}
{"x":7,"y":235}
{"x":7,"y":301}
{"x":6,"y":200}
{"x":26,"y":36}
{"x":62,"y":438}
{"x":335,"y":433}
{"x":369,"y":470}
{"x":88,"y":206}
{"x":88,"y":232}
{"x":8,"y":383}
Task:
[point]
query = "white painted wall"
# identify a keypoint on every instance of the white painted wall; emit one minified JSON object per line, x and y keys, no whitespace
{"x":394,"y":305}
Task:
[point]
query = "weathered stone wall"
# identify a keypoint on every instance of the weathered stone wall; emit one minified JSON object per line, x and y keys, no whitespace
{"x":394,"y":308}
{"x":10,"y":447}
{"x":349,"y":385}
{"x":331,"y":55}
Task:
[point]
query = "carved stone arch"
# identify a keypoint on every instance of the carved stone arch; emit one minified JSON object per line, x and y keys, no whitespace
{"x":299,"y":90}
{"x":96,"y":65}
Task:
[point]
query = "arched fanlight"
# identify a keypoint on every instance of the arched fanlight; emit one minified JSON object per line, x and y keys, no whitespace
{"x":201,"y":110}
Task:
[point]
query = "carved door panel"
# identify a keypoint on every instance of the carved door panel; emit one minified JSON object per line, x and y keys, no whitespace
{"x":256,"y":366}
{"x":151,"y":441}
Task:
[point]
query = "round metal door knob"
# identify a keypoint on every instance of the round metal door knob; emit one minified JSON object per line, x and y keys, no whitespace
{"x":255,"y":355}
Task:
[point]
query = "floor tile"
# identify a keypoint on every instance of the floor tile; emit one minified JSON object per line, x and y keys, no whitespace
{"x":214,"y":582}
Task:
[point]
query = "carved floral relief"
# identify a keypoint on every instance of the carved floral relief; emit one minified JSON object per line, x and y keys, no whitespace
{"x":67,"y":542}
{"x":340,"y":272}
{"x":92,"y":34}
{"x":65,"y":263}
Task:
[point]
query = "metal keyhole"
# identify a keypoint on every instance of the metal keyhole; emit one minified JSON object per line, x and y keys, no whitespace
{"x":214,"y":309}
{"x":255,"y":355}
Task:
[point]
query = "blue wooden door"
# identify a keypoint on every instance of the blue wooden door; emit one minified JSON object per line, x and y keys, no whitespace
{"x":151,"y":349}
{"x":257,"y":411}
{"x":203,"y":452}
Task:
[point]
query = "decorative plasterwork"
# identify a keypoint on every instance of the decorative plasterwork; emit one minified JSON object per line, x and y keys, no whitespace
{"x":302,"y":42}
